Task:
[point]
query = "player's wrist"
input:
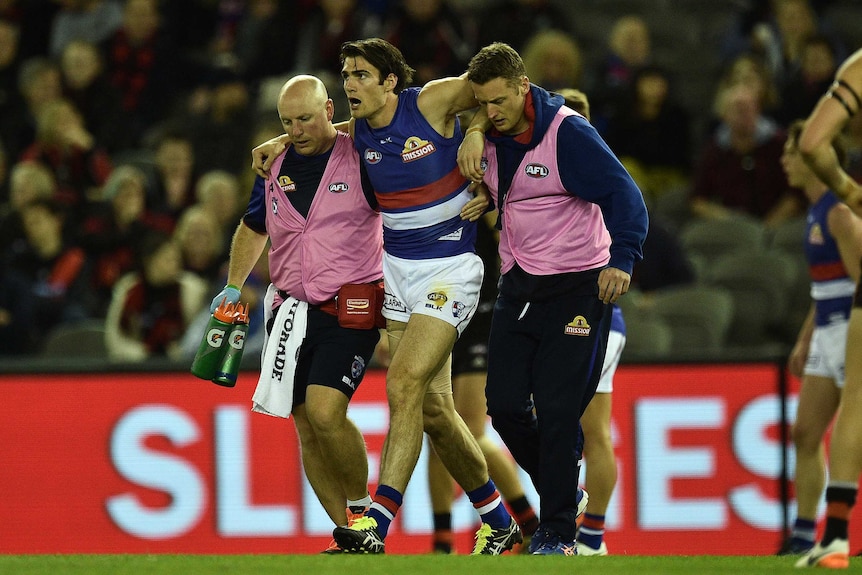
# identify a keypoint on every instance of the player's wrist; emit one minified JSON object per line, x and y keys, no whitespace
{"x":475,"y":130}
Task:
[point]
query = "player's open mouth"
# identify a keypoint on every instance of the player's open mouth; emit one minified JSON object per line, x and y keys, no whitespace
{"x":354,"y":102}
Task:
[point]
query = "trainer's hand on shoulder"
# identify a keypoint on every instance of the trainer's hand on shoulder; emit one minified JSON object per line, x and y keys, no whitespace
{"x":229,"y":293}
{"x":613,"y":283}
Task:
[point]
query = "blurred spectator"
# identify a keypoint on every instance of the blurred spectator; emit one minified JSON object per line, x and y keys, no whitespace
{"x":817,"y":66}
{"x":48,"y":275}
{"x":38,"y":84}
{"x":113,"y":228}
{"x":651,"y":134}
{"x":783,"y":40}
{"x":143,"y":64}
{"x":629,"y":48}
{"x":175,"y":174}
{"x":776,"y":30}
{"x":431,"y":37}
{"x":514,"y":21}
{"x":553,"y":60}
{"x":10,"y":60}
{"x":152,"y":307}
{"x":218,"y":192}
{"x":63,"y":144}
{"x":34,"y":19}
{"x":256,"y":45}
{"x":28,"y":182}
{"x":203,"y":250}
{"x":221,"y":123}
{"x":330,"y":24}
{"x":739,"y":170}
{"x":90,"y":20}
{"x":750,"y":71}
{"x":86,"y":86}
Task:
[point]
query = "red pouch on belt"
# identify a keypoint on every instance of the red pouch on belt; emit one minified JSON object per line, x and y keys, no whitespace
{"x":360,"y":306}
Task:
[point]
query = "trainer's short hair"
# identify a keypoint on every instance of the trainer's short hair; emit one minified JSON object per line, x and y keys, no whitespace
{"x":383,"y":56}
{"x":497,"y":60}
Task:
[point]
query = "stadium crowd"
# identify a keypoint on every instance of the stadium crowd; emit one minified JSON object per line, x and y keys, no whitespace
{"x":126,"y":126}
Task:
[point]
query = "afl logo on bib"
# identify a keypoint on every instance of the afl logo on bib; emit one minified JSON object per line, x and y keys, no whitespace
{"x":537,"y":170}
{"x":372,"y":156}
{"x":338,"y":187}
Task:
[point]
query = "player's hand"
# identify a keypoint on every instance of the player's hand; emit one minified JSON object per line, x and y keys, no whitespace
{"x":229,"y":293}
{"x":265,"y":154}
{"x":470,"y":154}
{"x":474,"y":209}
{"x":613,"y":283}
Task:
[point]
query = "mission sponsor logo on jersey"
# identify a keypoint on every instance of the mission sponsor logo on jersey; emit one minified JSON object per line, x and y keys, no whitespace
{"x":372,"y":156}
{"x":537,"y":170}
{"x":415,"y":148}
{"x":338,"y":187}
{"x":578,"y":326}
{"x":286,"y":184}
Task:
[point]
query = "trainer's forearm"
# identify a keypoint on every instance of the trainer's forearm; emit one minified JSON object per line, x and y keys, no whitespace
{"x":245,"y":250}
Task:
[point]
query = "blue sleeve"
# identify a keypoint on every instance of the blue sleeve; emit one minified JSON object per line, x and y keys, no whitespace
{"x":591,"y":171}
{"x":255,"y":213}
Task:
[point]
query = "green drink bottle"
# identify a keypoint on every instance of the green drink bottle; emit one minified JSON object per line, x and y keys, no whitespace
{"x":228,"y":369}
{"x":214,"y":343}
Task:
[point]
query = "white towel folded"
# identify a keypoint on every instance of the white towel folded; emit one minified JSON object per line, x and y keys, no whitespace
{"x":274,"y":392}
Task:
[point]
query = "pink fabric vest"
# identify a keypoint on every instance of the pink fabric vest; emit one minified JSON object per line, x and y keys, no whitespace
{"x":341,"y":242}
{"x":546,"y":229}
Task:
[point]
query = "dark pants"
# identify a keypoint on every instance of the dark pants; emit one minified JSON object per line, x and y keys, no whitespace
{"x":545,"y":358}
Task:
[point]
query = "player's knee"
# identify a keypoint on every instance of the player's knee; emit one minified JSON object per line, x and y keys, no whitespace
{"x":325,"y":418}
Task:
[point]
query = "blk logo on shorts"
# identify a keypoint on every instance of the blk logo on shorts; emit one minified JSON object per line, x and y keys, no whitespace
{"x":578,"y":326}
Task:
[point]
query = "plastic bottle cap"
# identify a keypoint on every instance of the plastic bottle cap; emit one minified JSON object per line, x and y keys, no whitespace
{"x":225,"y":311}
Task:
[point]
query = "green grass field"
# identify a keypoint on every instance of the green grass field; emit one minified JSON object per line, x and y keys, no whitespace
{"x":391,"y":565}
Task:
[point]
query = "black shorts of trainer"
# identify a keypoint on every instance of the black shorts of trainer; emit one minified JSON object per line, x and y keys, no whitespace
{"x":470,"y":353}
{"x":331,"y":355}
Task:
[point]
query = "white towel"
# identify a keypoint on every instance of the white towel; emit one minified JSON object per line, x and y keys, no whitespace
{"x":274,"y":392}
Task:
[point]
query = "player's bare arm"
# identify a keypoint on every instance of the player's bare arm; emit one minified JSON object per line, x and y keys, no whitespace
{"x":440,"y":100}
{"x":846,"y":228}
{"x":835,"y":108}
{"x":263,"y":155}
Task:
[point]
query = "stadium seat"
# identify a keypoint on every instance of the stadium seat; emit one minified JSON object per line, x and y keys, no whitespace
{"x":760,"y":284}
{"x":698,"y":316}
{"x":713,"y":239}
{"x":84,"y":339}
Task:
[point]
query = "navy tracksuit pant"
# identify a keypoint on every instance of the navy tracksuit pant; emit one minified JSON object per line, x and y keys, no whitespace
{"x":546,"y":355}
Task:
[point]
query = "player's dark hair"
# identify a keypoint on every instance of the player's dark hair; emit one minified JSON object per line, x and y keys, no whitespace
{"x":383,"y":56}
